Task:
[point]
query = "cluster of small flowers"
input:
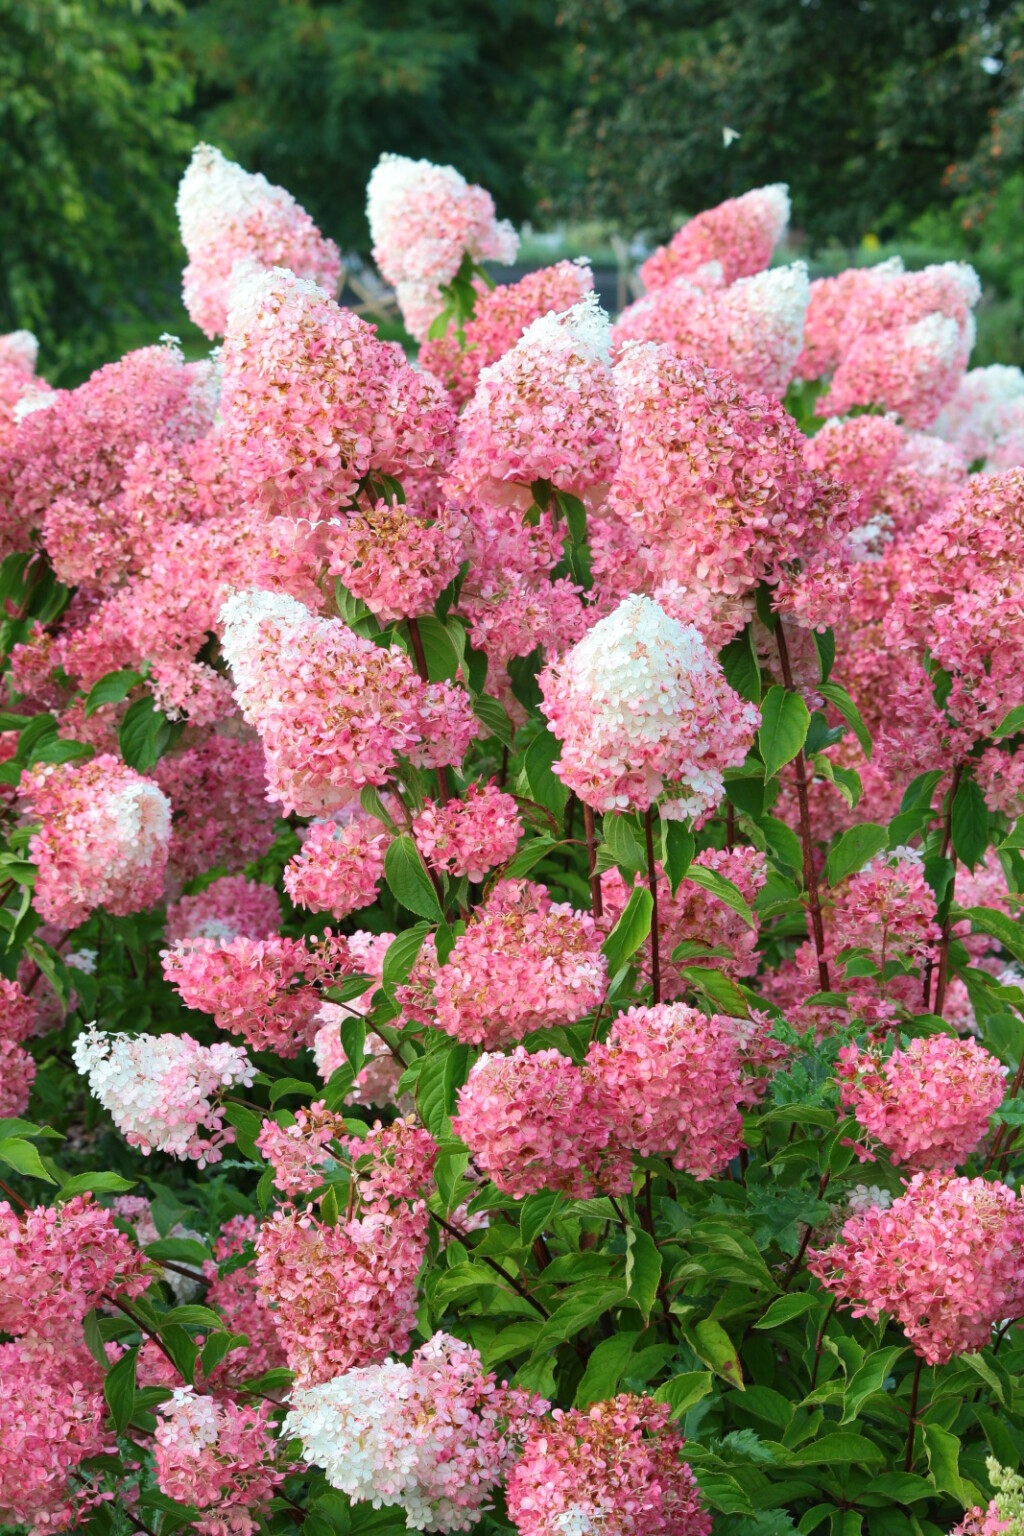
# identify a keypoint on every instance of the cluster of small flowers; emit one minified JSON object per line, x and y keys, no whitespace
{"x":643,"y":713}
{"x":432,"y":1438}
{"x":614,"y":1468}
{"x":1005,"y":1512}
{"x":667,"y":1082}
{"x":103,"y":838}
{"x":219,"y":1457}
{"x":338,"y":868}
{"x":396,"y":562}
{"x":738,"y":235}
{"x":235,"y":1295}
{"x":17,"y":1068}
{"x":942,"y":1260}
{"x":334,"y":711}
{"x":470,"y":836}
{"x":261,"y":989}
{"x":231,"y":220}
{"x":929,"y":1105}
{"x":523,"y":962}
{"x":423,"y":220}
{"x":162,"y":1091}
{"x":298,"y":1153}
{"x":226,"y":909}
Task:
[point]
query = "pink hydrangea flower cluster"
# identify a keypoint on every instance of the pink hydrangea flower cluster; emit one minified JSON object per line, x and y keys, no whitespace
{"x":312,"y":401}
{"x":432,"y":1438}
{"x":985,"y":418}
{"x":56,"y":1264}
{"x":928,"y":1105}
{"x":338,"y":867}
{"x":298,"y":1152}
{"x":886,"y":909}
{"x":423,"y":219}
{"x":614,"y":1467}
{"x":753,"y":330}
{"x":643,"y":713}
{"x":712,"y":479}
{"x":345,"y":1295}
{"x":537,"y":1121}
{"x":739,"y":235}
{"x":225,"y":909}
{"x":500,"y":317}
{"x":219,"y":1457}
{"x":470,"y":836}
{"x":232,"y":220}
{"x":943,"y":1260}
{"x":334,"y":711}
{"x":17,"y":1068}
{"x":671,"y":1077}
{"x":394,"y":560}
{"x":103,"y":838}
{"x":261,"y":989}
{"x":543,"y":411}
{"x":524,"y":962}
{"x":52,"y":1419}
{"x":163,"y":1091}
{"x":219,"y":810}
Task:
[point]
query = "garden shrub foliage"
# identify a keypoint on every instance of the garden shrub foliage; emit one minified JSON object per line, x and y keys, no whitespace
{"x":511,"y":1013}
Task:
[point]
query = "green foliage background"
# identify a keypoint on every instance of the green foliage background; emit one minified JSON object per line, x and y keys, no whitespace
{"x":890,"y":119}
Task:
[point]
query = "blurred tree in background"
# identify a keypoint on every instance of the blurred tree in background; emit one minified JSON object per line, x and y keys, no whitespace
{"x":894,"y":119}
{"x":92,"y":141}
{"x":312,"y":94}
{"x":862,"y":106}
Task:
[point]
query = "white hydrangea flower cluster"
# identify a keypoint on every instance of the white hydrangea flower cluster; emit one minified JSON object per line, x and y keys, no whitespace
{"x":160,"y":1090}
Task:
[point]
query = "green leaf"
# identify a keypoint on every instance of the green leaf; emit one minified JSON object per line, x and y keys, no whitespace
{"x":1006,"y":929}
{"x":528,"y":855}
{"x":785,"y":1308}
{"x":144,"y":734}
{"x":867,"y":1380}
{"x":408,"y":881}
{"x":536,"y":1213}
{"x":180,"y":1250}
{"x":853,"y":850}
{"x":443,"y":647}
{"x":494,"y":718}
{"x":643,"y":1270}
{"x":969,"y":823}
{"x":23,"y":1158}
{"x":441,"y":1077}
{"x":217,"y":1347}
{"x":630,"y":931}
{"x":606,"y":1364}
{"x":718,"y":987}
{"x":622,"y":843}
{"x":1011,"y":723}
{"x":286,"y":1085}
{"x":739,"y":663}
{"x":717,"y":1350}
{"x":840,"y":1449}
{"x":679,"y":847}
{"x":784,"y":722}
{"x":825,"y":645}
{"x":119,"y":1390}
{"x":583,"y":1305}
{"x":725,"y":890}
{"x":683,"y":1391}
{"x":545,"y":787}
{"x":943,"y":1452}
{"x":111,"y":689}
{"x":575,"y":514}
{"x":95,"y":1183}
{"x":839,"y":697}
{"x":402,"y":954}
{"x":193,"y":1316}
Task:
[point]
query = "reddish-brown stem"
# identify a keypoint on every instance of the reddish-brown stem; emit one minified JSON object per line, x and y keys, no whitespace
{"x":787,"y":1279}
{"x":595,"y":878}
{"x":9,"y":1192}
{"x":517,"y":1285}
{"x":443,"y":792}
{"x":810,"y":877}
{"x":997,"y":1140}
{"x":908,"y":1460}
{"x":652,"y":876}
{"x":141,"y":1326}
{"x":942,"y":979}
